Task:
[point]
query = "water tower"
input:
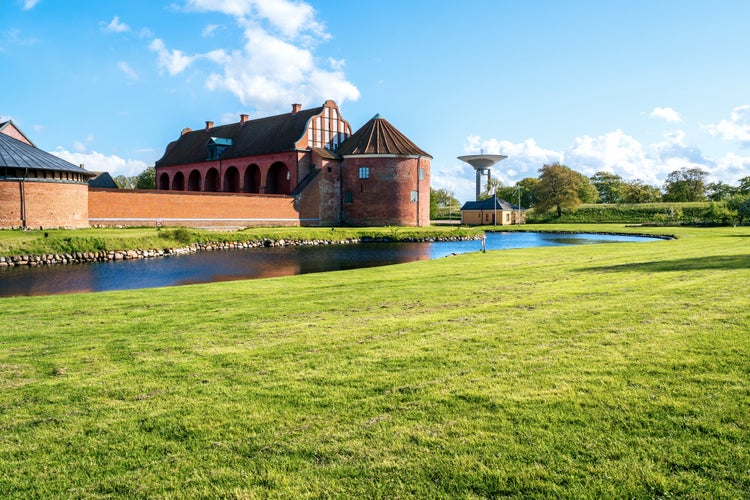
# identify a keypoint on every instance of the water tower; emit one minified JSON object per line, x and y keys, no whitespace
{"x":482,"y":164}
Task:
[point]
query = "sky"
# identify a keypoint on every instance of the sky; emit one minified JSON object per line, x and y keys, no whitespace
{"x":636,"y":88}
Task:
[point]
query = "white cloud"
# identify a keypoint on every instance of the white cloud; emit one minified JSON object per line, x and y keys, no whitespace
{"x":128,"y":71}
{"x":275,"y":65}
{"x":29,"y":4}
{"x":12,"y":37}
{"x":174,"y":61}
{"x":270,"y":73}
{"x":666,"y":114}
{"x":98,"y":162}
{"x":731,"y":168}
{"x":288,"y":17}
{"x":209,"y":30}
{"x":737,"y":128}
{"x":615,"y":152}
{"x":116,"y":26}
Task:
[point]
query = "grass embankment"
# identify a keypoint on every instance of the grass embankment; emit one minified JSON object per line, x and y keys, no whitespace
{"x":629,"y":213}
{"x":111,"y":239}
{"x":614,"y":370}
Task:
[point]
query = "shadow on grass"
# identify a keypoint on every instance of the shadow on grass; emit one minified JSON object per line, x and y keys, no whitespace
{"x":716,"y":262}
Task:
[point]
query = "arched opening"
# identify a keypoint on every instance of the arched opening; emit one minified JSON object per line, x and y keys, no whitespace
{"x":231,"y":182}
{"x":163,"y":182}
{"x":178,"y":183}
{"x":279,"y":179}
{"x":194,"y":181}
{"x":211,"y":184}
{"x":252,"y":179}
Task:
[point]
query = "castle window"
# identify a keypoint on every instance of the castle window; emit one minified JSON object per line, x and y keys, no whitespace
{"x":348,"y":197}
{"x":364,"y":172}
{"x":217,"y":146}
{"x":414,"y":196}
{"x":421,"y":174}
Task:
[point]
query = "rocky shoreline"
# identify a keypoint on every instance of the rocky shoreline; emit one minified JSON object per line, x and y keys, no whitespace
{"x":118,"y":255}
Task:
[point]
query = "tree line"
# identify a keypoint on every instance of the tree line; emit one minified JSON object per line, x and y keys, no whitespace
{"x":559,"y":188}
{"x":144,"y":180}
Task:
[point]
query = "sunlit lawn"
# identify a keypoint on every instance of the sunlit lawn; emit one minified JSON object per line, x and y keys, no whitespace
{"x":612,"y":370}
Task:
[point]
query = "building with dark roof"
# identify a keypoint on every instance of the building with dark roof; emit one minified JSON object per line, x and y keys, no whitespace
{"x":38,"y":189}
{"x":375,"y":176}
{"x":492,"y":211}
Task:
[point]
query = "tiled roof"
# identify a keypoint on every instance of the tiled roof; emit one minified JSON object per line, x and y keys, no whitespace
{"x":274,"y":134}
{"x":18,"y":154}
{"x":489,"y":205}
{"x":379,"y":137}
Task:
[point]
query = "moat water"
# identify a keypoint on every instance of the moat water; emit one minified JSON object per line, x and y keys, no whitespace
{"x":228,"y":265}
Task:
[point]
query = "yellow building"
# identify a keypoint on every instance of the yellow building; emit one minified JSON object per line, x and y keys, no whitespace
{"x":492,"y":211}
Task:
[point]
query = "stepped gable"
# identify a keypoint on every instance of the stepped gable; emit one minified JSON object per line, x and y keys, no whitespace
{"x":273,"y":134}
{"x":379,"y":137}
{"x":18,"y":154}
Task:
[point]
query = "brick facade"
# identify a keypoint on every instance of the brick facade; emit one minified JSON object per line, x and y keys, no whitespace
{"x":47,"y":204}
{"x":392,"y":194}
{"x":127,"y":207}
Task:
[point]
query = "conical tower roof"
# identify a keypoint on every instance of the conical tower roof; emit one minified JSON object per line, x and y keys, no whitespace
{"x":379,"y":137}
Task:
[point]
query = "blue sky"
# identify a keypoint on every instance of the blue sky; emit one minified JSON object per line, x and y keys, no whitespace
{"x":638,"y":88}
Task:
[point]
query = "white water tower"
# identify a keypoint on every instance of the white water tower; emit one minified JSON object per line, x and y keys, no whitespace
{"x":482,"y":164}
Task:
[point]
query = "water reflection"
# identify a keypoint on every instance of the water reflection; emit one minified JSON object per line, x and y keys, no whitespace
{"x":258,"y":263}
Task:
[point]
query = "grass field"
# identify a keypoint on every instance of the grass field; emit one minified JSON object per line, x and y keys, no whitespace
{"x":612,"y":370}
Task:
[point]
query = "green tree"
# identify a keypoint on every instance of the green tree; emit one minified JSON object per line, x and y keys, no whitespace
{"x":718,"y":191}
{"x":124,"y":182}
{"x":609,"y":186}
{"x":528,"y":187}
{"x":443,"y":204}
{"x":744,"y":187}
{"x":558,"y":188}
{"x":686,"y":184}
{"x":146,"y":179}
{"x":740,"y":203}
{"x":638,"y":191}
{"x":493,"y":186}
{"x":587,"y":192}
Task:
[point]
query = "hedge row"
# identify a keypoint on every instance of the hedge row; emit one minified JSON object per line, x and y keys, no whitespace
{"x":659,"y":213}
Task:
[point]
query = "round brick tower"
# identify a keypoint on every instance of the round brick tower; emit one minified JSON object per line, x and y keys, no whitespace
{"x":37,"y":189}
{"x":386,"y":178}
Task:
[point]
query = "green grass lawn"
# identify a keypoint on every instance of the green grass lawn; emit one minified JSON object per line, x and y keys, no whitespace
{"x":611,"y":370}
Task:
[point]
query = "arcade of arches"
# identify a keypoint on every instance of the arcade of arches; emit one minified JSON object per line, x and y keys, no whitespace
{"x":274,"y":179}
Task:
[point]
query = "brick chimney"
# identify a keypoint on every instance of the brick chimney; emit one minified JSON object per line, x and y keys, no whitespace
{"x":209,"y":124}
{"x":296,"y":108}
{"x":185,"y":131}
{"x":243,"y":118}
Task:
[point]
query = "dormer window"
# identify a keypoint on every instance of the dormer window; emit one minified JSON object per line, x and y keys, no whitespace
{"x":217,"y":146}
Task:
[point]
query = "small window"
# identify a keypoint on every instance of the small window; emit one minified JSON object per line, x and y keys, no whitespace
{"x":414,"y":196}
{"x":348,"y":197}
{"x":421,"y":174}
{"x":364,"y":172}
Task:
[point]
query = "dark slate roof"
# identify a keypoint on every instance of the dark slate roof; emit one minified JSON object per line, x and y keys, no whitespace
{"x":488,"y":205}
{"x":15,"y":153}
{"x":379,"y":137}
{"x":102,"y":180}
{"x":273,"y":134}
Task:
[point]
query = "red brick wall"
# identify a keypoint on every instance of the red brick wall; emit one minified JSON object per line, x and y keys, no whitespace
{"x":264,"y":163}
{"x":142,"y":208}
{"x":385,"y":197}
{"x":48,"y":204}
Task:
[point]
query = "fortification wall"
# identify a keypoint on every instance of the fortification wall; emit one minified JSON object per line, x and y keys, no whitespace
{"x":47,"y":204}
{"x":127,"y":207}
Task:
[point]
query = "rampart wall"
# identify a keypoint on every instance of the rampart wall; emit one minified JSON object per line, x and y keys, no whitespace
{"x":127,"y":207}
